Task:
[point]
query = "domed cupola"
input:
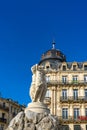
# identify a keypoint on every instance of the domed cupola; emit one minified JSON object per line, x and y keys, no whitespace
{"x":53,"y":55}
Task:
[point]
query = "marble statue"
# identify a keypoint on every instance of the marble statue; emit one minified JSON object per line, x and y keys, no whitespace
{"x":38,"y":86}
{"x":36,"y":116}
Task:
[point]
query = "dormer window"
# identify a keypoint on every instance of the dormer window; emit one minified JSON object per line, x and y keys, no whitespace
{"x":58,"y":53}
{"x":48,"y":53}
{"x":47,"y":67}
{"x":64,"y":67}
{"x":85,"y":67}
{"x":74,"y":67}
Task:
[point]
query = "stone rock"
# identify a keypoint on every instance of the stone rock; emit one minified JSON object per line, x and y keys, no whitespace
{"x":34,"y":117}
{"x":29,"y":126}
{"x":34,"y":121}
{"x":17,"y":122}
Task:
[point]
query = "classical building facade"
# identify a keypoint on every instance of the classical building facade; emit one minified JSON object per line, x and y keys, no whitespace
{"x":67,"y":89}
{"x":8,"y":110}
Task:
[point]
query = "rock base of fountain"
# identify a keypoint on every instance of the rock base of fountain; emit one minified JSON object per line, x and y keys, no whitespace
{"x":30,"y":120}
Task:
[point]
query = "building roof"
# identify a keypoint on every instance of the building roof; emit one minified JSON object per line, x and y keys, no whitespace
{"x":53,"y":54}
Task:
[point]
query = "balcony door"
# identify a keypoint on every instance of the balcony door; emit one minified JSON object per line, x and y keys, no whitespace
{"x":75,"y":79}
{"x":64,"y":79}
{"x":77,"y":127}
{"x":75,"y":94}
{"x":64,"y":94}
{"x":65,"y":113}
{"x":65,"y":127}
{"x":85,"y":94}
{"x":86,"y":112}
{"x":76,"y":113}
{"x":85,"y":78}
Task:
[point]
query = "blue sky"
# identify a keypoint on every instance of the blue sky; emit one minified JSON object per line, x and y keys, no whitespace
{"x":27,"y":29}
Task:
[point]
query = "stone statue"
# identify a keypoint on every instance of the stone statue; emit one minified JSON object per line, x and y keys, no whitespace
{"x":36,"y":116}
{"x":38,"y":86}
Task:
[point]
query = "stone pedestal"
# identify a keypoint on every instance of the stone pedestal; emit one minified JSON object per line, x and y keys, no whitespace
{"x":37,"y":107}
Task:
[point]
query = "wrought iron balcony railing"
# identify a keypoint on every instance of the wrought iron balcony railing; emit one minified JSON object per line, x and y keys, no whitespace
{"x":4,"y":107}
{"x":71,"y":119}
{"x":73,"y":99}
{"x":67,"y":82}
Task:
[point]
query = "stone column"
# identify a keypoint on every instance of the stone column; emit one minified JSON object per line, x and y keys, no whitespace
{"x":71,"y":110}
{"x":83,"y":126}
{"x":82,"y":110}
{"x":70,"y":92}
{"x":81,"y":92}
{"x":71,"y":127}
{"x":58,"y":113}
{"x":52,"y":102}
{"x":55,"y":100}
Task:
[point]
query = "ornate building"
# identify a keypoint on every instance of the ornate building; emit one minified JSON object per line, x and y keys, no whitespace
{"x":8,"y":110}
{"x":67,"y":89}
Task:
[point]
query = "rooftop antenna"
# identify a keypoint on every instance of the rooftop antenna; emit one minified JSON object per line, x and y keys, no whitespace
{"x":53,"y":44}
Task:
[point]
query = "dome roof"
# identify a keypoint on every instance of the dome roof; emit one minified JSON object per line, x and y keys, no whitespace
{"x":53,"y":54}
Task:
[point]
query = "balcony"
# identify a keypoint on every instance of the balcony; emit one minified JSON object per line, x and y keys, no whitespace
{"x":71,"y":99}
{"x":3,"y":120}
{"x":68,"y":82}
{"x":4,"y":108}
{"x":71,"y":119}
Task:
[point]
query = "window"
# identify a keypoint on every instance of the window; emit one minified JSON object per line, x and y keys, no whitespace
{"x":75,"y":79}
{"x":76,"y":113}
{"x":47,"y":67}
{"x":47,"y":93}
{"x":49,"y":53}
{"x":85,"y":111}
{"x":85,"y":78}
{"x":65,"y":127}
{"x":2,"y":127}
{"x":74,"y":67}
{"x":47,"y":78}
{"x":77,"y":127}
{"x":3,"y":115}
{"x":64,"y":68}
{"x":64,"y":94}
{"x":75,"y":94}
{"x":64,"y":79}
{"x":3,"y":104}
{"x":85,"y":67}
{"x":86,"y":94}
{"x":65,"y":113}
{"x":86,"y":127}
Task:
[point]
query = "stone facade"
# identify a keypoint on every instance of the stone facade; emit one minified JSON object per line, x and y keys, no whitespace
{"x":66,"y":96}
{"x":8,"y":110}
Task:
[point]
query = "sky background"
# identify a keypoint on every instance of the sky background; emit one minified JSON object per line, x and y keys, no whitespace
{"x":27,"y":29}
